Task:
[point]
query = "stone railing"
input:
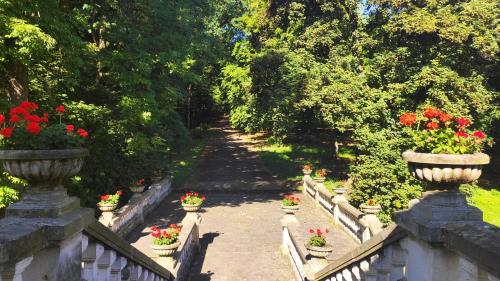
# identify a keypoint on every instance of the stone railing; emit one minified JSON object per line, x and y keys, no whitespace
{"x":359,"y":226}
{"x":105,"y":256}
{"x":126,"y":218}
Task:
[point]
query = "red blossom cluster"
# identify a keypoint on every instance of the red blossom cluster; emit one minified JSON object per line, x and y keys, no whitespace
{"x":318,"y":231}
{"x":321,"y":173}
{"x":111,"y":197}
{"x":292,"y":198}
{"x":192,"y":194}
{"x":140,"y":182}
{"x":23,"y":116}
{"x":172,"y":231}
{"x":434,"y":117}
{"x":307,"y":167}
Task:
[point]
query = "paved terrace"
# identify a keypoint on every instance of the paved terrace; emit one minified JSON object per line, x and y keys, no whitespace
{"x":241,"y":231}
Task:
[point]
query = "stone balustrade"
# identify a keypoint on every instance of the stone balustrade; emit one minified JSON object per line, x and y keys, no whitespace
{"x":126,"y":218}
{"x":105,"y":256}
{"x":359,"y":226}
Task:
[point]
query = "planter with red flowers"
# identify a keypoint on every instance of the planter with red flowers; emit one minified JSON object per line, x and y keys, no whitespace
{"x":317,"y":246}
{"x":446,"y":151}
{"x":39,"y":148}
{"x":138,"y":186}
{"x":320,"y":176}
{"x":192,"y":201}
{"x":109,"y":202}
{"x":307,"y":169}
{"x":371,"y":207}
{"x":290,"y":204}
{"x":165,"y":242}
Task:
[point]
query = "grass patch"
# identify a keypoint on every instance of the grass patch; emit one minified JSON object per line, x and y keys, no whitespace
{"x":183,"y":160}
{"x":489,"y":202}
{"x":285,"y":161}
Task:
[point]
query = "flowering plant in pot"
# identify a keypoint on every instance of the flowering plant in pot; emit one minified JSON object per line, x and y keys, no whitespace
{"x":109,"y":202}
{"x":320,"y":175}
{"x":39,"y":147}
{"x":317,"y":246}
{"x":290,"y":204}
{"x":371,"y":207}
{"x":307,"y":169}
{"x":191,"y":201}
{"x":138,"y":186}
{"x":446,"y":150}
{"x":165,"y":242}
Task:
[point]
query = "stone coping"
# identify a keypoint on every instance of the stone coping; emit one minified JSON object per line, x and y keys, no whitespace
{"x":479,"y":242}
{"x":348,"y":208}
{"x":293,"y":232}
{"x":389,"y":235}
{"x":187,"y":228}
{"x":112,"y":240}
{"x":43,"y":154}
{"x":446,"y":159}
{"x":325,"y":192}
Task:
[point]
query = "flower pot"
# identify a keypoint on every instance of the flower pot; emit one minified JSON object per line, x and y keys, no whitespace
{"x":307,"y":172}
{"x":165,"y":250}
{"x":107,"y":207}
{"x":370,"y":209}
{"x":191,"y":208}
{"x":319,"y":252}
{"x":291,"y":210}
{"x":319,"y":179}
{"x":137,"y":189}
{"x":44,"y":170}
{"x":446,"y":170}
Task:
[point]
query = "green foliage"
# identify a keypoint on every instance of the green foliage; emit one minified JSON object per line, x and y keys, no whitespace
{"x":317,"y":241}
{"x":488,"y":200}
{"x":8,"y":196}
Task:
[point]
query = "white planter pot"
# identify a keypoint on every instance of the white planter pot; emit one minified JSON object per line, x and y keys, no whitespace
{"x":165,"y":250}
{"x":191,"y":208}
{"x":290,"y":209}
{"x":319,"y":252}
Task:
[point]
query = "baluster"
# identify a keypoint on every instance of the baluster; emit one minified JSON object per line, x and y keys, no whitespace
{"x":89,"y":257}
{"x":135,"y":272}
{"x":104,"y":264}
{"x":117,"y":267}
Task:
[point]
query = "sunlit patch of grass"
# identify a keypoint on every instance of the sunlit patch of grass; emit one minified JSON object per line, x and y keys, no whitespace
{"x":346,"y":153}
{"x":183,"y":161}
{"x":489,"y":202}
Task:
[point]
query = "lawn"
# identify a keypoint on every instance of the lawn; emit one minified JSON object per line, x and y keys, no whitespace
{"x":285,"y":161}
{"x":183,"y":161}
{"x":489,"y":202}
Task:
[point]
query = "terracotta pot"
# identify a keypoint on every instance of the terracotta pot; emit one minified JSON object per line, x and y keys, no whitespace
{"x":165,"y":250}
{"x":370,"y":210}
{"x":290,"y":209}
{"x":191,"y":208}
{"x":137,"y":189}
{"x":107,"y":207}
{"x":43,"y":167}
{"x":319,"y":252}
{"x":446,"y":169}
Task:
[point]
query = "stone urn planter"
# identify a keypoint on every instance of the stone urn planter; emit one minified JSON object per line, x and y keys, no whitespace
{"x":290,"y":210}
{"x":319,"y":252}
{"x":370,"y":209}
{"x":319,"y":179}
{"x":445,"y":171}
{"x":307,"y":172}
{"x":165,"y":250}
{"x":44,"y":170}
{"x":137,"y":189}
{"x":191,"y":208}
{"x":106,"y":207}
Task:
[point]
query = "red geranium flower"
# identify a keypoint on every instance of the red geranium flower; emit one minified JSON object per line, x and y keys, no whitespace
{"x":2,"y":118}
{"x":479,"y":135}
{"x":183,"y":198}
{"x":7,"y":132}
{"x":14,"y":119}
{"x":463,"y":122}
{"x":29,"y":106}
{"x":445,"y":117}
{"x":18,"y":111}
{"x":45,"y":117}
{"x":60,"y":109}
{"x":82,"y":133}
{"x":33,"y":128}
{"x":203,"y":198}
{"x":33,"y":118}
{"x":70,"y":128}
{"x":431,"y":112}
{"x":408,"y":119}
{"x":119,"y":192}
{"x":462,"y":134}
{"x":432,"y":125}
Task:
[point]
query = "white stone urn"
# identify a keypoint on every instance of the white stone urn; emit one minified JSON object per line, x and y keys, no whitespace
{"x":291,"y":210}
{"x":191,"y":208}
{"x":306,"y":172}
{"x":137,"y":189}
{"x":319,"y":179}
{"x":165,"y":250}
{"x":107,"y":207}
{"x":446,"y":170}
{"x":370,"y":209}
{"x":44,"y":170}
{"x":319,"y":252}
